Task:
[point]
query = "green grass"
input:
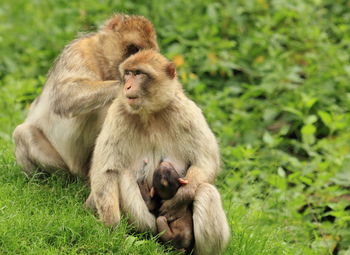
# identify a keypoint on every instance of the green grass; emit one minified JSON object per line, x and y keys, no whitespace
{"x":273,"y":80}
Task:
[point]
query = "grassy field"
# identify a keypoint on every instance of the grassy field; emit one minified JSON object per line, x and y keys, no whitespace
{"x":273,"y":79}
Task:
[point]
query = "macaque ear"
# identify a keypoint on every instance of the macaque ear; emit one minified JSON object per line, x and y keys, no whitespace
{"x":182,"y":181}
{"x":152,"y":192}
{"x":116,"y":22}
{"x":148,"y":28}
{"x":171,"y":70}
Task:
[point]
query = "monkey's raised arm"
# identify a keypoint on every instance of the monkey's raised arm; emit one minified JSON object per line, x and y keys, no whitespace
{"x":73,"y":97}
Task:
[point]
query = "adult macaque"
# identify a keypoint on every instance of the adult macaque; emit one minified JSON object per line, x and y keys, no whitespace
{"x":166,"y":182}
{"x":64,"y":121}
{"x":152,"y":118}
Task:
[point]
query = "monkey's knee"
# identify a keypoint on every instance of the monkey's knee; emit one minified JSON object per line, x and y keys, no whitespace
{"x":23,"y":158}
{"x":164,"y":229}
{"x":34,"y":151}
{"x":162,"y":223}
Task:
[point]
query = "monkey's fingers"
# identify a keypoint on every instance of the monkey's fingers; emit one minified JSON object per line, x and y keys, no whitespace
{"x":182,"y":181}
{"x":152,"y":192}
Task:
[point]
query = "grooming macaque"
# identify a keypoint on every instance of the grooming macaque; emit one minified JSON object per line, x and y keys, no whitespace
{"x":64,"y":121}
{"x":166,"y":182}
{"x":152,"y":118}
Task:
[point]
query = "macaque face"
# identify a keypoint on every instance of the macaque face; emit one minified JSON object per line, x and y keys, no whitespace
{"x":137,"y":43}
{"x":131,"y":49}
{"x":149,"y":82}
{"x":166,"y":180}
{"x":136,"y":33}
{"x":135,"y":82}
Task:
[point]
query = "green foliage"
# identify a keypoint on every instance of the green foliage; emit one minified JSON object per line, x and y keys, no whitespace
{"x":272,"y":78}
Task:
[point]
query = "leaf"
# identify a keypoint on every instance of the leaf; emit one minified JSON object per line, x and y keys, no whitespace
{"x":311,"y":119}
{"x":129,"y":241}
{"x":268,"y":139}
{"x":326,"y":118}
{"x":343,"y":176}
{"x":308,"y":133}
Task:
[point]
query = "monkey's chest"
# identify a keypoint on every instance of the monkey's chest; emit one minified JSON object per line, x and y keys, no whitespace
{"x":159,"y":149}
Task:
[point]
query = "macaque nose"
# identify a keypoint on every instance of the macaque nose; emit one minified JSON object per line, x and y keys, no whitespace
{"x":128,"y":87}
{"x":164,"y":183}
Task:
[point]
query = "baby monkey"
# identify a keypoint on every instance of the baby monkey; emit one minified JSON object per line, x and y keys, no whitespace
{"x":166,"y":182}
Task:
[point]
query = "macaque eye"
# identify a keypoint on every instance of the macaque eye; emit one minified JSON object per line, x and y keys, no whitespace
{"x":127,"y":72}
{"x":138,"y":72}
{"x":132,"y":49}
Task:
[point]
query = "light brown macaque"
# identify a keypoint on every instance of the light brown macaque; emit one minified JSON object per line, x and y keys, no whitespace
{"x":152,"y":118}
{"x":166,"y":182}
{"x":64,"y":120}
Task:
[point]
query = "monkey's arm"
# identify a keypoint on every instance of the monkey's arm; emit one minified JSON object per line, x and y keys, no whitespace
{"x":133,"y":204}
{"x":185,"y":194}
{"x":117,"y":187}
{"x":145,"y":193}
{"x":205,"y":159}
{"x":202,"y":147}
{"x":205,"y":162}
{"x":73,"y":97}
{"x":105,"y":193}
{"x":104,"y":175}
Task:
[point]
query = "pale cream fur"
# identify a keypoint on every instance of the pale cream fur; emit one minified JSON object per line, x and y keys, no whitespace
{"x":168,"y":125}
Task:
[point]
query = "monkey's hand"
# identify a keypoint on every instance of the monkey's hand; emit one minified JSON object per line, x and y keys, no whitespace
{"x":144,"y":189}
{"x":145,"y":193}
{"x":184,"y":196}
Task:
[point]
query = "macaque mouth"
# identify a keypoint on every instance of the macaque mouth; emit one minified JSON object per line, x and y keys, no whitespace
{"x":132,"y":99}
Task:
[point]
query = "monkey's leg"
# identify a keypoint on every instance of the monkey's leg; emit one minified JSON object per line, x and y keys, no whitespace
{"x":133,"y":204}
{"x":33,"y":150}
{"x":162,"y":226}
{"x":105,"y":194}
{"x":211,"y":230}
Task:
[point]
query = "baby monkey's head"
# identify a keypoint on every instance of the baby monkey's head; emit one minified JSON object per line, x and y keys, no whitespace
{"x":166,"y":181}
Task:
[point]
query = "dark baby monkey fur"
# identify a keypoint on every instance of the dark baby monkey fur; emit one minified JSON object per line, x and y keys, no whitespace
{"x":166,"y":182}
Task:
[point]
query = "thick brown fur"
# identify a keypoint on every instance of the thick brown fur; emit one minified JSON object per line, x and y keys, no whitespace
{"x":153,"y":118}
{"x":64,"y":121}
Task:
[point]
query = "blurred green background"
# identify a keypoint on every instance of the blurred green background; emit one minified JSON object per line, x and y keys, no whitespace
{"x":273,"y":80}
